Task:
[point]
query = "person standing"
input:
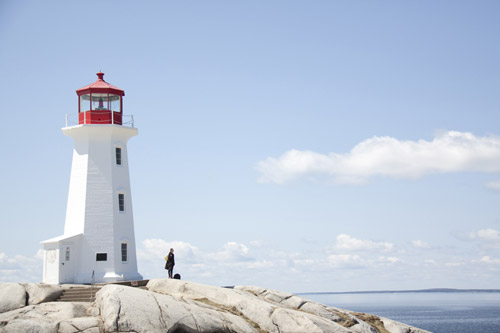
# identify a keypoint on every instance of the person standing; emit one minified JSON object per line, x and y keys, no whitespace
{"x":169,"y":265}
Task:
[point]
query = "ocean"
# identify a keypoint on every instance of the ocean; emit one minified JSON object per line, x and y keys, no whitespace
{"x":439,"y":312}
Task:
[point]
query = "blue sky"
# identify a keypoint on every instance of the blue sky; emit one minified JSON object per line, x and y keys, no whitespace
{"x":302,"y":146}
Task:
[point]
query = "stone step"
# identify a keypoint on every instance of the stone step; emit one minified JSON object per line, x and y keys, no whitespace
{"x":73,"y":291}
{"x":77,"y":299}
{"x":78,"y":294}
{"x":87,"y":294}
{"x":141,"y":283}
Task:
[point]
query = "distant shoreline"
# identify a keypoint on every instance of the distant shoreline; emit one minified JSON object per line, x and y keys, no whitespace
{"x":433,"y":290}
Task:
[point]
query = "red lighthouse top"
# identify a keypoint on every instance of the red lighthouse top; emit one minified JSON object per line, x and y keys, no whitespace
{"x":100,"y":103}
{"x":100,"y":86}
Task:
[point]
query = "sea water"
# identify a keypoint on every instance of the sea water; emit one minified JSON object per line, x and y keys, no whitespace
{"x":439,"y":312}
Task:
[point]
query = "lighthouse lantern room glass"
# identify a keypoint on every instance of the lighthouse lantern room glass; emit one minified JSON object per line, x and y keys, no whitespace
{"x":98,"y":101}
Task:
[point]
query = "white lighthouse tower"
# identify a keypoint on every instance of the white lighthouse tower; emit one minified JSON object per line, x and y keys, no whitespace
{"x":98,"y":242}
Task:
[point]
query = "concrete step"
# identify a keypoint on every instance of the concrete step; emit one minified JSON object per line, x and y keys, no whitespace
{"x":79,"y":294}
{"x":77,"y":299}
{"x":81,"y":290}
{"x":74,"y":291}
{"x":141,"y":283}
{"x":87,"y":294}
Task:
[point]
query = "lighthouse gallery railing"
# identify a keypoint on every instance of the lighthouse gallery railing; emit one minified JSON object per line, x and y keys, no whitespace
{"x":74,"y":119}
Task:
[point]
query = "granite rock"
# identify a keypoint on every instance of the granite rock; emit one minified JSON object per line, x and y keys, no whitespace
{"x":169,"y":305}
{"x":45,"y":317}
{"x":125,"y":309}
{"x":12,"y":296}
{"x":42,"y":293}
{"x":276,"y":311}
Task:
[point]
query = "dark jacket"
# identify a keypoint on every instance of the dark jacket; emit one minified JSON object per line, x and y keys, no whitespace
{"x":170,"y":261}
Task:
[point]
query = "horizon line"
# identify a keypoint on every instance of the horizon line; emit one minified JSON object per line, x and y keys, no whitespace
{"x":429,"y":290}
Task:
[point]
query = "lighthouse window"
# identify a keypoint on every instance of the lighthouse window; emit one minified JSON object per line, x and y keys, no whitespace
{"x":124,"y":251}
{"x":67,"y":254}
{"x":118,"y":156}
{"x":114,"y":102}
{"x":101,"y":257}
{"x":100,"y":102}
{"x":84,"y":103}
{"x":121,"y":202}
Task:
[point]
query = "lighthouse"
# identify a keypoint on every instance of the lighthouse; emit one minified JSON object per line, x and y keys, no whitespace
{"x":98,"y":244}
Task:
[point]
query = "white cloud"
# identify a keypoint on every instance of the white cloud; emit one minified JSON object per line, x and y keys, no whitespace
{"x":385,"y":156}
{"x":485,"y":239}
{"x":486,"y":235}
{"x":495,"y":185}
{"x":20,"y":268}
{"x":346,"y":261}
{"x":230,"y":260}
{"x":420,"y":244}
{"x":39,"y":254}
{"x":453,"y":264}
{"x":296,"y":270}
{"x":305,"y":262}
{"x":388,"y":260}
{"x":257,"y":243}
{"x":157,"y":249}
{"x":488,"y":260}
{"x":232,"y":252}
{"x":369,"y":249}
{"x":346,"y":242}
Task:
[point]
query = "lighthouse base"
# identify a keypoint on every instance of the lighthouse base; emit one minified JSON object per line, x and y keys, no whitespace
{"x":68,"y":259}
{"x":107,"y":277}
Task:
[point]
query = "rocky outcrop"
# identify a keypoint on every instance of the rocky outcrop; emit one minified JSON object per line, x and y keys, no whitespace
{"x":180,"y":306}
{"x":275,"y":311}
{"x":42,"y":293}
{"x":125,"y":309}
{"x":17,"y":295}
{"x":50,"y":317}
{"x":12,"y":296}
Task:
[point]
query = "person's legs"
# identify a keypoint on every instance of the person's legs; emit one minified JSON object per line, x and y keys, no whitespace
{"x":170,"y":273}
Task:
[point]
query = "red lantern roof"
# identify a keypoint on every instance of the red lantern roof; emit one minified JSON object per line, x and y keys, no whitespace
{"x":100,"y":86}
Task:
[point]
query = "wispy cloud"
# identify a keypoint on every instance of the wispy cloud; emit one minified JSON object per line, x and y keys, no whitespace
{"x":389,"y":260}
{"x":257,"y":263}
{"x":352,"y":253}
{"x":485,"y":235}
{"x":21,"y":268}
{"x":495,"y":185}
{"x":488,"y":260}
{"x":346,"y":242}
{"x":386,"y":156}
{"x":420,"y":244}
{"x":485,"y":239}
{"x":228,"y":260}
{"x":233,"y":251}
{"x":356,"y":261}
{"x":157,"y":249}
{"x":347,"y":261}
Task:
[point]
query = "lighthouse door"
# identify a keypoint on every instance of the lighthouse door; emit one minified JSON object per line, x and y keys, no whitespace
{"x":51,"y":262}
{"x":66,"y":273}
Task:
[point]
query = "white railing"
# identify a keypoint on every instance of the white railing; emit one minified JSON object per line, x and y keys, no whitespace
{"x":128,"y":120}
{"x":92,"y":284}
{"x":74,"y":119}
